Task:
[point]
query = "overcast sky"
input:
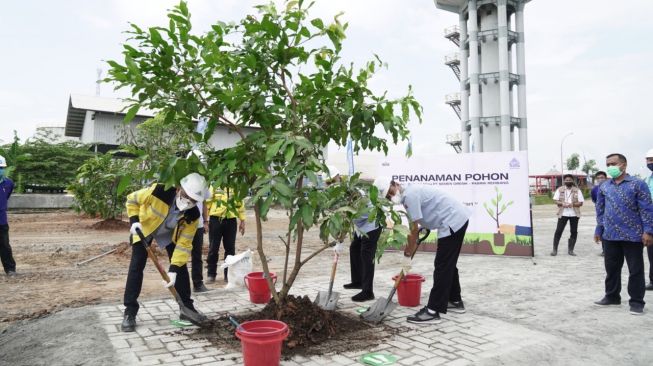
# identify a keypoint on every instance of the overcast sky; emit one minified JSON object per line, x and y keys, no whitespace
{"x":587,"y":65}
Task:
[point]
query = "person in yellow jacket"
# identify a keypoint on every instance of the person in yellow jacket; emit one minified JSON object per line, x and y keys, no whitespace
{"x":170,"y":217}
{"x":223,"y":227}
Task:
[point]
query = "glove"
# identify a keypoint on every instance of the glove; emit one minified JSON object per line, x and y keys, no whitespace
{"x":338,"y":248}
{"x":136,"y":225}
{"x":406,"y":264}
{"x":173,"y":279}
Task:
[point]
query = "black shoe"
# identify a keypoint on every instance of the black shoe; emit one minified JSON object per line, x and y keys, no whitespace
{"x":356,"y":286}
{"x":602,"y":254}
{"x":571,"y":252}
{"x":423,"y":316}
{"x":210,"y":279}
{"x":554,"y":253}
{"x":649,"y":287}
{"x":200,"y":288}
{"x":363,"y":296}
{"x":11,"y":274}
{"x":637,"y":309}
{"x":199,"y":317}
{"x":605,"y":301}
{"x":456,"y":307}
{"x":128,"y":323}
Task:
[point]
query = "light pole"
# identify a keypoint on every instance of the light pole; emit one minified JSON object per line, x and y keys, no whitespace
{"x":562,"y":167}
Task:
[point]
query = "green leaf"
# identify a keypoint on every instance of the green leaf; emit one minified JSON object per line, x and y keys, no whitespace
{"x":273,"y":149}
{"x":307,"y":215}
{"x":318,"y":23}
{"x":124,"y":182}
{"x":290,"y":153}
{"x":131,"y":113}
{"x":283,"y":189}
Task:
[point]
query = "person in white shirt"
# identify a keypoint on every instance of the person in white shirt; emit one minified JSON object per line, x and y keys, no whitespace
{"x":569,"y":200}
{"x":433,"y":209}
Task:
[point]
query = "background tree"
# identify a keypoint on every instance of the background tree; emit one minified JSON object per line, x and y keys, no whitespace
{"x":573,"y":162}
{"x":280,"y":72}
{"x":589,"y":167}
{"x":97,"y":189}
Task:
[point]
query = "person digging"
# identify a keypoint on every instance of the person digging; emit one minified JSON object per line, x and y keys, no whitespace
{"x":169,"y":216}
{"x":432,"y":209}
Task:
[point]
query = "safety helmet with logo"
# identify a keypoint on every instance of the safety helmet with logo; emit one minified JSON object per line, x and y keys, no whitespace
{"x":649,"y":154}
{"x":3,"y":162}
{"x":195,"y":187}
{"x":382,"y":184}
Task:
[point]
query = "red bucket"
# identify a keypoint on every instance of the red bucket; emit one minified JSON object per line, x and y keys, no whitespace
{"x":261,"y":341}
{"x":259,"y":292}
{"x":409,"y":290}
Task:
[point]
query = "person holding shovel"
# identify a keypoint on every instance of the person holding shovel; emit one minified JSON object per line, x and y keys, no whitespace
{"x":435,"y":210}
{"x":170,"y":217}
{"x":361,"y":251}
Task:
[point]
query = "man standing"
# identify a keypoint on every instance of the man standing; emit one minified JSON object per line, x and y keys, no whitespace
{"x":223,"y":227}
{"x":649,"y":249}
{"x":434,"y":210}
{"x":6,"y":188}
{"x":361,"y":251}
{"x":569,"y":200}
{"x":169,"y":216}
{"x":624,"y":216}
{"x":599,"y":178}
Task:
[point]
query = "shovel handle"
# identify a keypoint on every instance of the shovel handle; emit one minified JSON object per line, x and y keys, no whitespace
{"x":425,"y":234}
{"x":333,"y":273}
{"x":158,"y":266}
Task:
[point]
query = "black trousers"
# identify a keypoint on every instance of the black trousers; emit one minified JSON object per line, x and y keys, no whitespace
{"x":361,"y":259}
{"x":135,"y":279}
{"x":6,"y":254}
{"x":573,"y":226}
{"x":446,"y":283}
{"x":220,"y":230}
{"x":196,"y":257}
{"x":649,"y":249}
{"x":615,"y":252}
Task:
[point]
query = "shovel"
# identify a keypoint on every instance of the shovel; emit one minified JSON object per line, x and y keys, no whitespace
{"x":329,"y":300}
{"x":382,"y":307}
{"x":191,"y":315}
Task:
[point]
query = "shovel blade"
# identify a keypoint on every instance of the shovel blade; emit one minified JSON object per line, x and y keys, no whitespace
{"x":327,"y":302}
{"x":192,"y":316}
{"x":379,"y":310}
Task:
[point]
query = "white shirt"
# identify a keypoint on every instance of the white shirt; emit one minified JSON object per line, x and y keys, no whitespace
{"x":436,"y":209}
{"x":568,"y":212}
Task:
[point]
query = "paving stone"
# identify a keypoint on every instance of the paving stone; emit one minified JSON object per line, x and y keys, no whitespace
{"x":200,"y":361}
{"x":411,"y":360}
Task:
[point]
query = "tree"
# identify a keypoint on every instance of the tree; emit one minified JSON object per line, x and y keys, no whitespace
{"x":496,"y":208}
{"x":97,"y":189}
{"x":589,"y":167}
{"x":573,"y":162}
{"x":280,"y":72}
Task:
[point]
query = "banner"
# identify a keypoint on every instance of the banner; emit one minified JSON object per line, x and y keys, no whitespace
{"x":493,"y":186}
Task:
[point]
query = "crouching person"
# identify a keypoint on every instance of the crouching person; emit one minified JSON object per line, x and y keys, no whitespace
{"x":169,"y":216}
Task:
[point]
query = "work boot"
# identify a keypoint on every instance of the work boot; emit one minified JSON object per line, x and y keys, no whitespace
{"x":649,"y":287}
{"x":128,"y":323}
{"x":200,"y":288}
{"x":363,"y":296}
{"x":572,"y":244}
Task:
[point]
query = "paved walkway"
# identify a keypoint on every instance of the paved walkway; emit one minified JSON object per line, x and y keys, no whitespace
{"x":519,"y":311}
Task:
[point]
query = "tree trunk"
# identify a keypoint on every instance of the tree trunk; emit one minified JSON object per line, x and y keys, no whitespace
{"x":261,"y":254}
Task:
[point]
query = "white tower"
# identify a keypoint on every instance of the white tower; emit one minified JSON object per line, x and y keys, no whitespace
{"x":490,"y":71}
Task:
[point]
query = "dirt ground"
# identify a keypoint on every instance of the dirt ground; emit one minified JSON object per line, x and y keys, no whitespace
{"x":48,"y":245}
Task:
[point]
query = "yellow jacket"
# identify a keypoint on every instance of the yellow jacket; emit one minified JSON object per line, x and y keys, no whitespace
{"x":150,"y":206}
{"x":216,"y":205}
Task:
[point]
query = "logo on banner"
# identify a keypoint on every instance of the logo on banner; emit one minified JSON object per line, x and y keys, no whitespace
{"x":514,"y":164}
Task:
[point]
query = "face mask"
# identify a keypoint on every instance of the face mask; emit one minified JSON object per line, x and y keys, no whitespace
{"x":614,"y":171}
{"x":569,"y":184}
{"x":650,"y":166}
{"x":184,"y":204}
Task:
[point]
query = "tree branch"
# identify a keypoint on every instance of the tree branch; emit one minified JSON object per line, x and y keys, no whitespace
{"x":232,"y":125}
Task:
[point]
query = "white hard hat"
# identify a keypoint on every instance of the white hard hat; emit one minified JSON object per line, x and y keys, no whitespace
{"x":382,"y":183}
{"x":3,"y":162}
{"x":195,"y":186}
{"x":649,"y":154}
{"x":332,"y":171}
